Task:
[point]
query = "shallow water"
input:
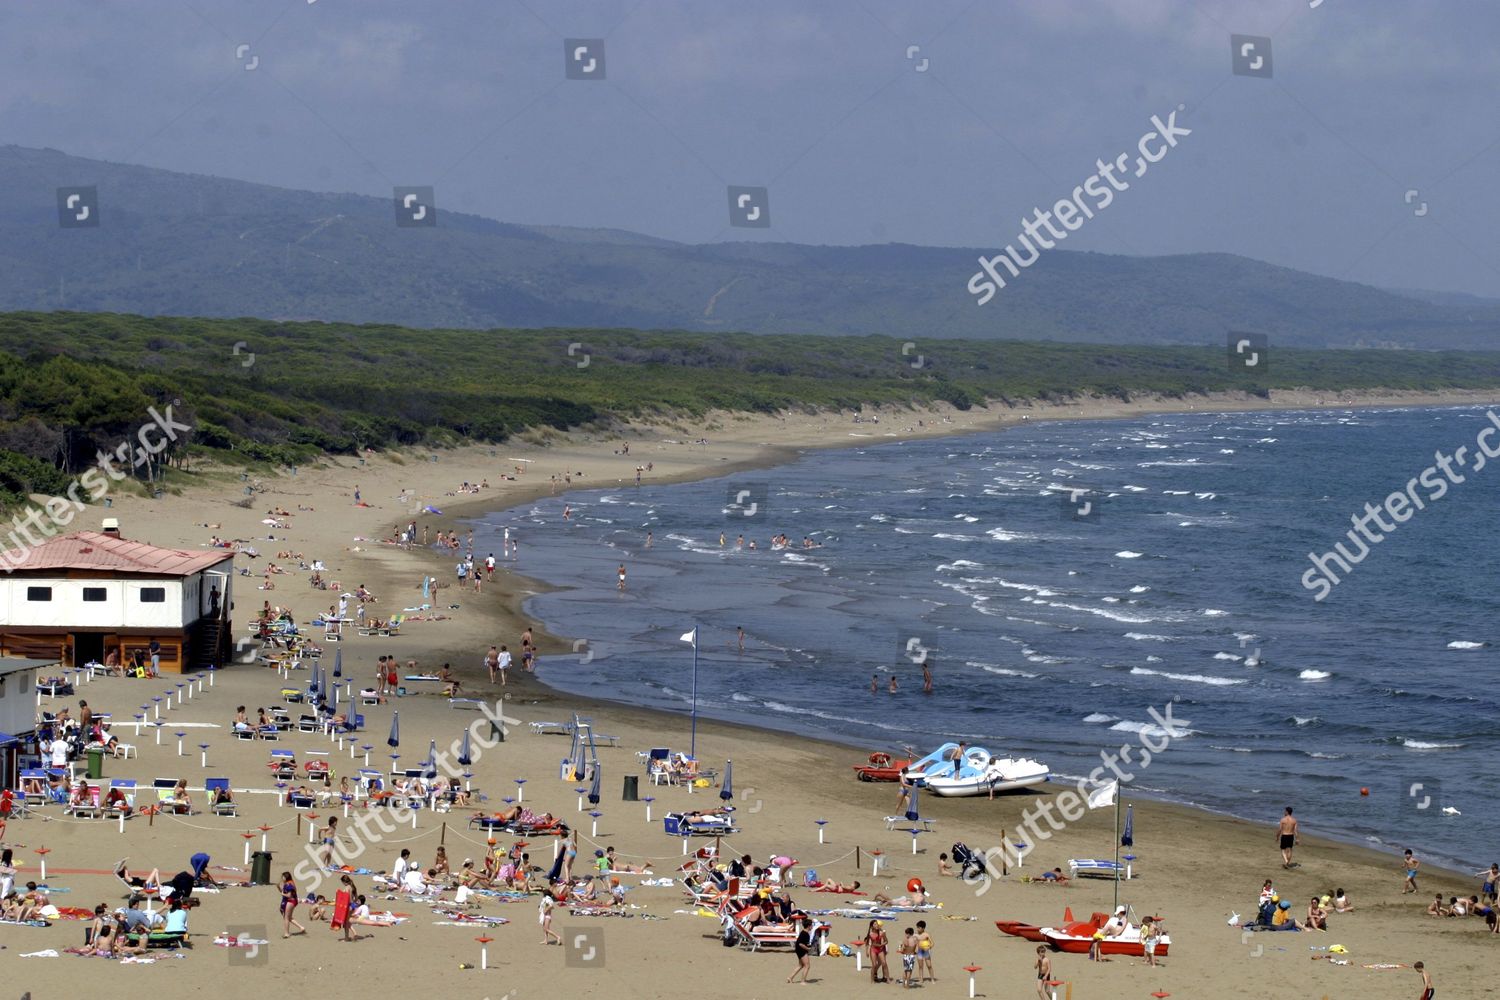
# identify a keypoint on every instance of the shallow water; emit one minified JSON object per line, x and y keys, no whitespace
{"x":1055,"y":636}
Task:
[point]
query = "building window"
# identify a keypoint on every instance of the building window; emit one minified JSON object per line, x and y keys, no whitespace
{"x":39,"y":593}
{"x":95,"y":594}
{"x":153,"y":595}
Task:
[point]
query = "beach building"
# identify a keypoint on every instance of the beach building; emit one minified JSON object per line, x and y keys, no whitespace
{"x":17,"y":711}
{"x":77,"y":598}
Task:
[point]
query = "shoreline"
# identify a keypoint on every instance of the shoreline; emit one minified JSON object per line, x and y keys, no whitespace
{"x":1196,"y":866}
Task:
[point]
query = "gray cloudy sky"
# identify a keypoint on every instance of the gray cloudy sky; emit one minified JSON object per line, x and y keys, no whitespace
{"x":1001,"y":107}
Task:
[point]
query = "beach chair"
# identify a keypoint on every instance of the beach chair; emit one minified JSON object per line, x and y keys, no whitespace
{"x":211,"y":787}
{"x":370,"y":781}
{"x":34,"y":787}
{"x":301,"y":800}
{"x":90,"y":808}
{"x":308,"y":724}
{"x":369,"y":696}
{"x":904,"y":822}
{"x":283,"y":764}
{"x":158,"y":939}
{"x":127,"y":789}
{"x":543,"y":728}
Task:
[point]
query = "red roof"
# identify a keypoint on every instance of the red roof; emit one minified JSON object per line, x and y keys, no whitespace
{"x":94,"y":550}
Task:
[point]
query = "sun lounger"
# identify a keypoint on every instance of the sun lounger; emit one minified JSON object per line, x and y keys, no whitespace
{"x":90,"y":808}
{"x":902,"y":823}
{"x":472,"y":703}
{"x":283,"y":764}
{"x":753,"y":937}
{"x":158,"y":939}
{"x":1098,"y":868}
{"x":677,"y":825}
{"x":127,"y":789}
{"x":541,"y":728}
{"x":211,"y":786}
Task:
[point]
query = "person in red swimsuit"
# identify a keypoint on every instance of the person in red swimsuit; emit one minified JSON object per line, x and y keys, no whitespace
{"x":875,"y":941}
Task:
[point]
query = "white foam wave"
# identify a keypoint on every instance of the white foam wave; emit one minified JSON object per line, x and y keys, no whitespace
{"x":1314,"y":675}
{"x":1127,"y":554}
{"x":1147,"y":637}
{"x":1423,"y":745}
{"x":1094,"y":718}
{"x":1463,"y":644}
{"x":1149,"y":729}
{"x":1190,"y":678}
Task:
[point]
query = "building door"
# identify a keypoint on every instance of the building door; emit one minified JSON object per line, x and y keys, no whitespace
{"x":88,"y":647}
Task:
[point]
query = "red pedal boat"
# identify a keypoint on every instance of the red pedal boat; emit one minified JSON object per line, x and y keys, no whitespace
{"x":881,"y":768}
{"x":1075,"y":938}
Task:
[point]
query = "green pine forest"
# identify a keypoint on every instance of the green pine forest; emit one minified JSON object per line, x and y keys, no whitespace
{"x":262,"y":394}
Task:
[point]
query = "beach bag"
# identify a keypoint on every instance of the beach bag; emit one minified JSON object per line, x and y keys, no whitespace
{"x":810,"y":877}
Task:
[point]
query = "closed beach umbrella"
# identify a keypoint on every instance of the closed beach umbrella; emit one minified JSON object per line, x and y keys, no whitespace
{"x":338,"y":662}
{"x":575,"y":756}
{"x":431,"y":761}
{"x":911,"y":806}
{"x":594,"y":795}
{"x":351,"y":716}
{"x":726,"y":792}
{"x":395,"y":738}
{"x":1127,"y":839}
{"x":464,"y":759}
{"x":312,"y":679}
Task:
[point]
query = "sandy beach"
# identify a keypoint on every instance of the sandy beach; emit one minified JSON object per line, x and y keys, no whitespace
{"x":1195,"y":869}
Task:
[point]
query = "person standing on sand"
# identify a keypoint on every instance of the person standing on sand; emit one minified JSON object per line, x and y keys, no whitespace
{"x":1286,"y":837}
{"x":924,"y":953}
{"x":1428,"y":990}
{"x":544,"y":916}
{"x":289,"y":901}
{"x":803,"y":946}
{"x":492,"y":663}
{"x":503,"y":664}
{"x":489,"y":566}
{"x":1410,"y":868}
{"x":1043,"y":971}
{"x":380,"y":677}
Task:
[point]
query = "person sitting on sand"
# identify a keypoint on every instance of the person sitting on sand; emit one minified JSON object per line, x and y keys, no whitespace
{"x":1317,"y":917}
{"x":1341,"y":902}
{"x":1282,"y":919}
{"x":445,"y":676}
{"x":1436,"y":907}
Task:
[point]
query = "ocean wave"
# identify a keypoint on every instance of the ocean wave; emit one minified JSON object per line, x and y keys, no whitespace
{"x":1228,"y":656}
{"x":1148,"y":637}
{"x":1134,"y":489}
{"x":1212,"y":612}
{"x":1001,"y":535}
{"x":1127,"y":554}
{"x":1305,"y":720}
{"x":1314,"y":675}
{"x":1149,"y":729}
{"x":1462,"y":644}
{"x":1002,"y":671}
{"x":1411,"y":744}
{"x":1116,"y":616}
{"x":1139,"y":589}
{"x":955,"y":538}
{"x":1190,"y":678}
{"x":959,"y":564}
{"x":1094,"y":718}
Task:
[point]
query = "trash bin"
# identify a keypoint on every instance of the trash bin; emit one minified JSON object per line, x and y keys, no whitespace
{"x":632,"y":788}
{"x":260,"y":868}
{"x":497,"y":731}
{"x":96,"y":763}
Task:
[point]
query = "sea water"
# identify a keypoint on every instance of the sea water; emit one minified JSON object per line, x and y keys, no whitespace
{"x":1054,"y":628}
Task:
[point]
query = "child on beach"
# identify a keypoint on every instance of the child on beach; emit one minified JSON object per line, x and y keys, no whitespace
{"x":908,"y":956}
{"x":1428,"y":991}
{"x":1491,"y":885}
{"x":1341,"y":902}
{"x":1411,"y":864}
{"x":289,"y":906}
{"x":1149,"y":933}
{"x":1043,"y":971}
{"x":924,"y":952}
{"x":544,"y":916}
{"x":803,"y":945}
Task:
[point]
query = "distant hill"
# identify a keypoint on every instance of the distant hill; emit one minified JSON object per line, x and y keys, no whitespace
{"x":189,"y":245}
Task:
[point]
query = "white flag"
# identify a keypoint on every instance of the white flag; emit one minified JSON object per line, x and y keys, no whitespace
{"x":1104,"y":795}
{"x":691,"y":637}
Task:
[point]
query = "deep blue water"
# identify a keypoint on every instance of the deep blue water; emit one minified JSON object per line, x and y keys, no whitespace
{"x":1053,"y":635}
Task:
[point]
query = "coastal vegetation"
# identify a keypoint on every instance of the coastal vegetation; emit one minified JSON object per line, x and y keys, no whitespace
{"x":262,"y":392}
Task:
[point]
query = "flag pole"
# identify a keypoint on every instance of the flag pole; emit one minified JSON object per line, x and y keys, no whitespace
{"x":1118,"y":796}
{"x":693,"y":748}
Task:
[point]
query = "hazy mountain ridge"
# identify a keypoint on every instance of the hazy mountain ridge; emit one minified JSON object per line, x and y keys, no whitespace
{"x":186,"y":244}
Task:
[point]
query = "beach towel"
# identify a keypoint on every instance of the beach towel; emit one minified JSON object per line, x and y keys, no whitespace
{"x":48,"y":953}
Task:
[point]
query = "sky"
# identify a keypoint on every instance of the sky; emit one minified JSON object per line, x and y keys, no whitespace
{"x":1354,"y":144}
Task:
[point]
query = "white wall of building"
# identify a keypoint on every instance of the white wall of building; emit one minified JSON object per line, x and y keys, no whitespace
{"x":123,"y":604}
{"x":18,"y":702}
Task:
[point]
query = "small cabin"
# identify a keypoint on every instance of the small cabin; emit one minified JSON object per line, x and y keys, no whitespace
{"x":77,"y":598}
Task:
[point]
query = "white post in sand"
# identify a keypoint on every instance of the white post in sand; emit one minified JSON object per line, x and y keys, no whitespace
{"x":821,"y":823}
{"x":875,"y":859}
{"x":122,"y":822}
